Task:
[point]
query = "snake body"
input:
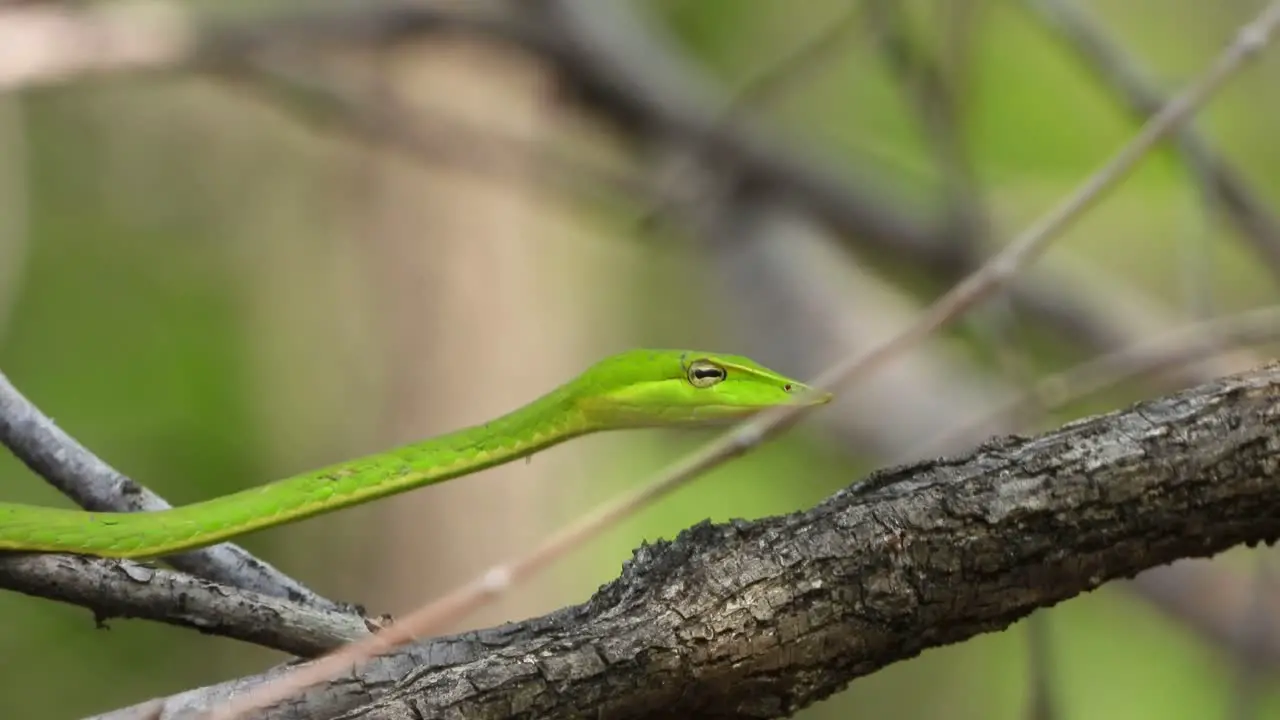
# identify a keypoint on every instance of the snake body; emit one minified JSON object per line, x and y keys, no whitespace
{"x":633,"y":389}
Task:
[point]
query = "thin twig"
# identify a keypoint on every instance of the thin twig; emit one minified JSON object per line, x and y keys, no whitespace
{"x":1251,"y":217}
{"x":993,"y":275}
{"x":938,"y":107}
{"x":1183,"y":346}
{"x":428,"y":134}
{"x":763,"y":88}
{"x":126,"y":589}
{"x":94,"y":485}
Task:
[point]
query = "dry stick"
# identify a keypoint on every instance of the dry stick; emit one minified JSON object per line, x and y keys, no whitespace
{"x":430,"y":135}
{"x":1180,"y":347}
{"x":126,"y":589}
{"x":1214,"y":176}
{"x":991,"y":276}
{"x":769,"y":83}
{"x":1040,"y":703}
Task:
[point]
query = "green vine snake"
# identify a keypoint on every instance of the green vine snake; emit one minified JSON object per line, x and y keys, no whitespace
{"x":633,"y":389}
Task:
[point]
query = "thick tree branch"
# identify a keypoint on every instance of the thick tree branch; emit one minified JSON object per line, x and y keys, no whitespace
{"x":758,"y":619}
{"x":125,"y":589}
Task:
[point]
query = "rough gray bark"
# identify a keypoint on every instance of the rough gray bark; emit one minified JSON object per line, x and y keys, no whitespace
{"x":758,"y":619}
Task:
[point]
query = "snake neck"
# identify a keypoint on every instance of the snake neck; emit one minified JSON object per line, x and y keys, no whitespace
{"x":549,"y":420}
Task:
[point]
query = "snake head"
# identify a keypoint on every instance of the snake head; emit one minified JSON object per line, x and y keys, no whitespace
{"x":659,"y":388}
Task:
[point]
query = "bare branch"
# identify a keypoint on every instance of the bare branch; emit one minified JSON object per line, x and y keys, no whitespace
{"x":126,"y":589}
{"x":1218,"y":180}
{"x":940,"y":110}
{"x":94,"y":485}
{"x":1184,"y":346}
{"x":767,"y":84}
{"x":1042,"y":701}
{"x":428,"y":135}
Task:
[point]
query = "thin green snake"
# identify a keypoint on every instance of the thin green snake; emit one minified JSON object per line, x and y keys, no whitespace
{"x":634,"y":389}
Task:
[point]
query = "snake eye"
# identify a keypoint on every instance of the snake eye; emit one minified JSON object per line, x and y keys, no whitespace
{"x":703,"y":373}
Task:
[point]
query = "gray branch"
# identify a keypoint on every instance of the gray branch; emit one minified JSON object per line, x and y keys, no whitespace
{"x":759,"y":619}
{"x":125,"y":589}
{"x":94,"y":485}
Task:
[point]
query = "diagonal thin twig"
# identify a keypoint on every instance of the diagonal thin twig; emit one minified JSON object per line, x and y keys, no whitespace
{"x":993,"y":275}
{"x":763,"y":88}
{"x":808,"y":56}
{"x":939,"y":107}
{"x":1218,"y":180}
{"x":1182,"y":346}
{"x":430,"y":136}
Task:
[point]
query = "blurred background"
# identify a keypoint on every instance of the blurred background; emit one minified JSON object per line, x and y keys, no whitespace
{"x":315,"y":240}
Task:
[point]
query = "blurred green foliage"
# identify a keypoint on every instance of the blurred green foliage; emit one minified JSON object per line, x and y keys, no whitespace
{"x":132,"y":334}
